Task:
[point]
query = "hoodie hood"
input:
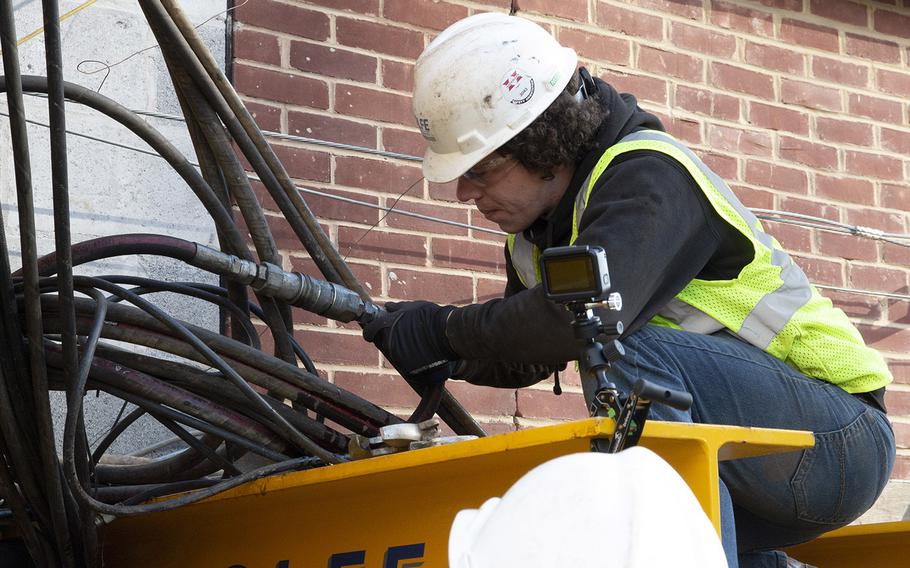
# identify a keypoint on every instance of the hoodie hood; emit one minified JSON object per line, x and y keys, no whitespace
{"x":624,"y":117}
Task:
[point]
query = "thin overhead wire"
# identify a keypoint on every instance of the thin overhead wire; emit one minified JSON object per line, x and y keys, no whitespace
{"x":306,"y":190}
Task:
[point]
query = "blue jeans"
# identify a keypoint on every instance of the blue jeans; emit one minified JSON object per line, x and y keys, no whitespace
{"x":778,"y":500}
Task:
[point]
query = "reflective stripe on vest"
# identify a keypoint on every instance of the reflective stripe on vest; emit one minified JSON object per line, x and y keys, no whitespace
{"x":770,"y":303}
{"x":524,"y":256}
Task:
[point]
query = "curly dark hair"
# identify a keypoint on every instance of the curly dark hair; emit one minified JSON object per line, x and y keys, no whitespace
{"x":562,"y":135}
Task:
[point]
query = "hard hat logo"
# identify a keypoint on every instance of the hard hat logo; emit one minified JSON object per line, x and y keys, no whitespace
{"x":424,"y":125}
{"x":518,"y":87}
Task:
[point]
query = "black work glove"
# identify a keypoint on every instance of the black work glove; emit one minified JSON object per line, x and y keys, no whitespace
{"x":412,"y":336}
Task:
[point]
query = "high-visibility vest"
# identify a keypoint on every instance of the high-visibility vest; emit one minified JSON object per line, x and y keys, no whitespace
{"x":770,"y":303}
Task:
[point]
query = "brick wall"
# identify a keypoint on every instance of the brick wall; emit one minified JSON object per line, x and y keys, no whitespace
{"x":800,"y":104}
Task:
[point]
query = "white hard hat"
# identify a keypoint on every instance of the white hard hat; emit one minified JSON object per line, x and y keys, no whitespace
{"x":625,"y":510}
{"x":481,"y":82}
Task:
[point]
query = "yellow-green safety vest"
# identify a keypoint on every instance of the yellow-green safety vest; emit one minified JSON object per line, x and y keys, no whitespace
{"x":770,"y":304}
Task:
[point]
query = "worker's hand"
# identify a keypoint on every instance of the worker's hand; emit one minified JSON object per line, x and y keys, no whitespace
{"x":412,"y":336}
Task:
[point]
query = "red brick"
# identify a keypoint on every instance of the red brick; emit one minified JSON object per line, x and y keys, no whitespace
{"x":848,"y":247}
{"x":874,"y":165}
{"x":381,"y":38}
{"x":841,"y":11}
{"x":725,"y":166}
{"x":896,"y":140}
{"x":433,"y":15}
{"x":896,"y":254}
{"x":876,"y":219}
{"x":488,"y":289}
{"x":570,"y":9}
{"x":533,"y":403}
{"x":790,"y":5}
{"x":892,"y":23}
{"x":778,"y":118}
{"x":408,"y":142}
{"x":872,"y":48}
{"x":703,"y":101}
{"x":268,"y":117}
{"x":386,"y":390}
{"x":809,"y":35}
{"x":741,"y":19}
{"x":692,"y":9}
{"x":898,"y":311}
{"x":278,"y":86}
{"x":328,"y":208}
{"x":436,"y":210}
{"x":600,"y":48}
{"x":679,"y":65}
{"x":333,"y":62}
{"x":840,"y":72}
{"x":777,"y":177}
{"x":629,"y":22}
{"x":855,"y":305}
{"x":901,"y":434}
{"x":878,"y":278}
{"x":302,"y":163}
{"x":383,"y":246}
{"x":422,"y":285}
{"x":285,"y":237}
{"x":754,"y":198}
{"x":684,"y":129}
{"x":702,"y":40}
{"x":854,"y":190}
{"x":777,"y":58}
{"x":256,"y":46}
{"x":478,"y":221}
{"x":792,"y":237}
{"x":731,"y":139}
{"x":644,"y":88}
{"x":901,"y":468}
{"x":810,"y":95}
{"x":820,"y":270}
{"x":846,"y":132}
{"x":742,"y":80}
{"x":875,"y":108}
{"x":397,"y":75}
{"x":901,"y":370}
{"x":893,"y":82}
{"x":893,"y":340}
{"x":281,"y":17}
{"x":896,"y":196}
{"x":331,"y":128}
{"x":378,"y":175}
{"x":822,"y":209}
{"x":336,"y":348}
{"x":366,"y":7}
{"x":456,"y":253}
{"x":808,"y":153}
{"x":373,"y":104}
{"x":483,"y":400}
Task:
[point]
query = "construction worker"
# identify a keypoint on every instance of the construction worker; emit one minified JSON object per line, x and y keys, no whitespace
{"x":711,"y":303}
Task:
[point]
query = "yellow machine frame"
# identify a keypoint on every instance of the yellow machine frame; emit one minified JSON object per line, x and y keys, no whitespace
{"x":395,"y":511}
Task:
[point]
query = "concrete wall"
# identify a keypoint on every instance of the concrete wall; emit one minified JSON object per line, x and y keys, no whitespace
{"x":113,"y":190}
{"x":800,"y":104}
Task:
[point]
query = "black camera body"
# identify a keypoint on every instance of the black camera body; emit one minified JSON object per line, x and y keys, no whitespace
{"x":575,"y":274}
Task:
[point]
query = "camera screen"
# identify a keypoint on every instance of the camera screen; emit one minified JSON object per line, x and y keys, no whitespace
{"x":571,"y":275}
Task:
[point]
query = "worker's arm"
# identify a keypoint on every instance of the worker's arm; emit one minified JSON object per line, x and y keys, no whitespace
{"x":659,"y":233}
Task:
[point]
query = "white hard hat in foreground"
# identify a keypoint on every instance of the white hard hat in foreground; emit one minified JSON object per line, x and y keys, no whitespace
{"x":481,"y":82}
{"x":625,"y":510}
